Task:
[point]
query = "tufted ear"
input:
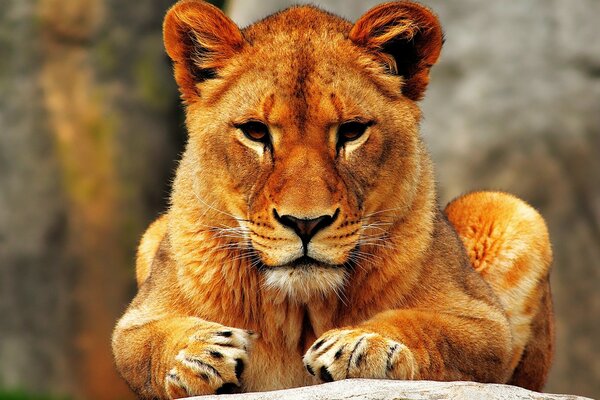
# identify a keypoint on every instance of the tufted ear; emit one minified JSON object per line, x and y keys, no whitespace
{"x":406,"y":37}
{"x":200,"y":39}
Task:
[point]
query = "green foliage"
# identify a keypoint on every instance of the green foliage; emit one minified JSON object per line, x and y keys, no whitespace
{"x":23,"y":395}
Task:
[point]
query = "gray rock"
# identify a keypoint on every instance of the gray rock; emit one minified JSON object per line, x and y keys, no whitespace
{"x":377,"y":389}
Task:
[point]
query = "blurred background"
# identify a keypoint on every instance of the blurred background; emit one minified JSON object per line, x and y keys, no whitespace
{"x":91,"y":130}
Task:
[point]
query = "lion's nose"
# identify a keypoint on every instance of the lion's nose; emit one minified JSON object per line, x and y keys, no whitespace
{"x":306,"y":228}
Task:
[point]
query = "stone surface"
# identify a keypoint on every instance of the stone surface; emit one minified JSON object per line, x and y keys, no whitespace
{"x":374,"y":389}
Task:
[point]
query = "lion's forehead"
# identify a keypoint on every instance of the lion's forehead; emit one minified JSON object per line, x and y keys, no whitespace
{"x":296,"y":62}
{"x":300,"y":67}
{"x":302,"y":85}
{"x":299,"y":46}
{"x":297,"y":22}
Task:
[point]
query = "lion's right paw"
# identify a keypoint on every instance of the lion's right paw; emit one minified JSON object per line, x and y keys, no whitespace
{"x":211,"y":361}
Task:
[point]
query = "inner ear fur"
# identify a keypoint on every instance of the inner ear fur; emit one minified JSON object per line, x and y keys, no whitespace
{"x":199,"y":39}
{"x":406,"y":37}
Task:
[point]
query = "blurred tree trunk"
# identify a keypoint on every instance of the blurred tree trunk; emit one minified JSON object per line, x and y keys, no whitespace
{"x":514,"y":104}
{"x":88,"y":120}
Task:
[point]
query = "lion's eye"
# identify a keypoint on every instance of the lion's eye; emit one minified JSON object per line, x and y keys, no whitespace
{"x":349,"y":131}
{"x":255,"y":131}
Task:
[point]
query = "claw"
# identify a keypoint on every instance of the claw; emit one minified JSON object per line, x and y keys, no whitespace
{"x":325,"y":375}
{"x":239,"y":368}
{"x":309,"y":369}
{"x":228,"y":388}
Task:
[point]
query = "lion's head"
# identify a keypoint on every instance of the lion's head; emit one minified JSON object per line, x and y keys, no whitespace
{"x":303,"y":131}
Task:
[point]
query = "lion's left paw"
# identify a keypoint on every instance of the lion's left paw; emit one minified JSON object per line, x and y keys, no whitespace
{"x":355,"y":353}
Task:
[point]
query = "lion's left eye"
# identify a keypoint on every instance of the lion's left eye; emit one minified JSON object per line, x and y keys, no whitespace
{"x":255,"y":131}
{"x":350,"y":131}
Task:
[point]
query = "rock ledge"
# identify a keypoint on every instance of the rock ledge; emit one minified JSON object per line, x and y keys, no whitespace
{"x":375,"y":389}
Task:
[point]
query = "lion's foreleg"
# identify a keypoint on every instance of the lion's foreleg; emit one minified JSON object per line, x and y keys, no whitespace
{"x":415,"y":344}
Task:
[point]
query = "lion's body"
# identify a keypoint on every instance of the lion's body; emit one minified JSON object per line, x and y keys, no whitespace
{"x":226,"y":295}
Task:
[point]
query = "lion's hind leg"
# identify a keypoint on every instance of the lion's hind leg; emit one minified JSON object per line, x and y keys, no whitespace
{"x":507,"y":243}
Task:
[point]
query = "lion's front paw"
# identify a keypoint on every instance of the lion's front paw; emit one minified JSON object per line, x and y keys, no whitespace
{"x":209,"y":361}
{"x":355,"y":353}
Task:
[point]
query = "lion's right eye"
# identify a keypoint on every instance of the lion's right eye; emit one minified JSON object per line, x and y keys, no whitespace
{"x":351,"y":131}
{"x":255,"y":131}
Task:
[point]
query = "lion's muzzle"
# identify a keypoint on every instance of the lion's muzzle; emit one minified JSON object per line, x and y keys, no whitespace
{"x":306,"y":228}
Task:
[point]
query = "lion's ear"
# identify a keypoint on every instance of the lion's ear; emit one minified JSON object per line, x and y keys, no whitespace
{"x":200,"y":39}
{"x":406,"y":37}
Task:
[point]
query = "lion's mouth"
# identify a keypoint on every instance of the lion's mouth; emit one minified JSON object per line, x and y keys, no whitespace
{"x":305,"y":262}
{"x":300,"y":263}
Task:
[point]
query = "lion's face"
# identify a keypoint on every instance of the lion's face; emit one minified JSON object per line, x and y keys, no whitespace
{"x":310,"y":144}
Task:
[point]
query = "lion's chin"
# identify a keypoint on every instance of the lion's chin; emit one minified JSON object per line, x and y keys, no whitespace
{"x":303,"y":282}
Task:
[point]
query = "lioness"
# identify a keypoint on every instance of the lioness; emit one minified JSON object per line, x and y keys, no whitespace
{"x":304,"y":242}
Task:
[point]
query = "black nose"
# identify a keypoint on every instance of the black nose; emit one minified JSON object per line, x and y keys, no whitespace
{"x":306,"y":228}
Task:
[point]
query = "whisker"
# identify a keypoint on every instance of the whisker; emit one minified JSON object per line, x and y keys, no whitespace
{"x":383,"y":246}
{"x":381,"y":241}
{"x":364,"y":256}
{"x":216,"y":209}
{"x":380,"y":212}
{"x":339,"y":292}
{"x":379,"y":223}
{"x":230,"y":236}
{"x":376,"y":224}
{"x":365,"y":228}
{"x":233,"y":248}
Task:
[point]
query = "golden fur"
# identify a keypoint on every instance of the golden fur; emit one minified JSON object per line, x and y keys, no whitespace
{"x":303,"y":242}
